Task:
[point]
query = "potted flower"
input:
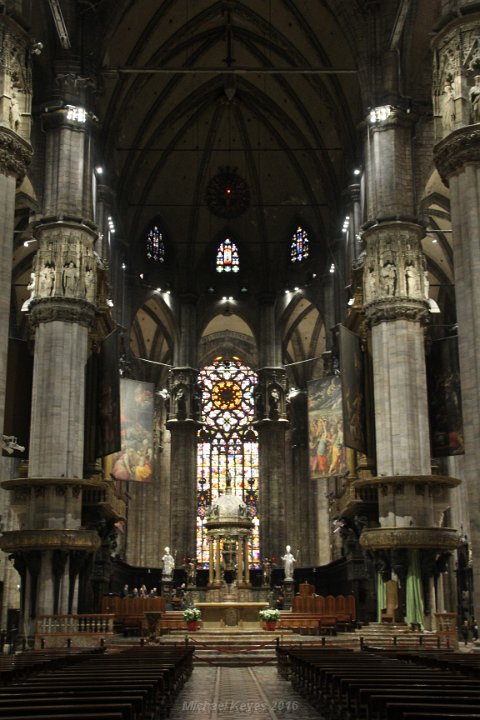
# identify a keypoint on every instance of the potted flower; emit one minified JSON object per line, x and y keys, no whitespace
{"x":192,"y":616}
{"x":270,"y":617}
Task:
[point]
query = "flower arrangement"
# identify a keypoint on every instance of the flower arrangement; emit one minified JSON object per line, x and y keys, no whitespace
{"x":192,"y":614}
{"x":269,"y":615}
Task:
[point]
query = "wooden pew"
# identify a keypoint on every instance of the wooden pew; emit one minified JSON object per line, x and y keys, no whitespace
{"x":142,"y":703}
{"x":68,"y":716}
{"x":139,"y":682}
{"x":396,"y":711}
{"x":363,"y":686}
{"x":355,"y":693}
{"x":47,"y":708}
{"x":377,"y":702}
{"x":441,"y":715}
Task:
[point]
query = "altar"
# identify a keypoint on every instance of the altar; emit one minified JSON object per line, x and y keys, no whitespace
{"x":231,"y":614}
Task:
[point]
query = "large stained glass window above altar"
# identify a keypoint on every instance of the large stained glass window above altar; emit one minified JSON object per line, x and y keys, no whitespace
{"x":227,"y":445}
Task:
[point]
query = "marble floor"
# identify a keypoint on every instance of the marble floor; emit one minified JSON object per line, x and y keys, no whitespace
{"x":225,"y":693}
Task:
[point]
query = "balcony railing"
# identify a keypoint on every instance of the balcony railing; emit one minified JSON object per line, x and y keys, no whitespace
{"x":75,"y":624}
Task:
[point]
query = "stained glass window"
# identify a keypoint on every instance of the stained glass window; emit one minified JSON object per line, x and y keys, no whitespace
{"x":227,"y":257}
{"x":227,"y":445}
{"x":155,"y":245}
{"x":299,"y":245}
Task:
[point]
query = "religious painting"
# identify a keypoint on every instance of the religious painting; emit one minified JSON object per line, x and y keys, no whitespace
{"x":135,"y":459}
{"x":107,"y":440}
{"x":325,"y":428}
{"x":353,"y":397}
{"x":444,"y":398}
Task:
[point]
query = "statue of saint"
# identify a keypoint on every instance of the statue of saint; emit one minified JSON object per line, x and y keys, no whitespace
{"x":31,"y":288}
{"x":426,"y":284}
{"x":47,"y":280}
{"x":14,"y":116}
{"x":288,"y":562}
{"x":389,"y":277}
{"x":89,"y":285}
{"x":448,"y":108}
{"x":412,"y":280}
{"x":266,"y":571}
{"x":168,"y":565}
{"x":370,"y":284}
{"x":181,"y":403}
{"x":70,"y":279}
{"x":475,"y":100}
{"x":274,"y":402}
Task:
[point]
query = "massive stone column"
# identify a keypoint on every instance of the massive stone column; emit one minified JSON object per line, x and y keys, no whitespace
{"x":15,"y":154}
{"x":51,"y":542}
{"x":271,"y":424}
{"x":411,"y":500}
{"x":456,"y":86}
{"x":183,"y":423}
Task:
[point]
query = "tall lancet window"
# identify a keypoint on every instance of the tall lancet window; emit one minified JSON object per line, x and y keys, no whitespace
{"x":155,"y":246}
{"x":227,"y":445}
{"x":227,"y":257}
{"x":299,"y":245}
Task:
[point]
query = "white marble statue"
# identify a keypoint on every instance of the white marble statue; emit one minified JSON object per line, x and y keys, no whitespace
{"x":31,"y":288}
{"x":168,"y":565}
{"x":288,"y":562}
{"x":412,"y":280}
{"x":448,"y":108}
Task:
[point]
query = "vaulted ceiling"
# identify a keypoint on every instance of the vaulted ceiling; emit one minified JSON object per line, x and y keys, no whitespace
{"x":272,"y":92}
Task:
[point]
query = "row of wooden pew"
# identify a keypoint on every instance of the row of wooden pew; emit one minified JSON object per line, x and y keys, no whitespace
{"x":383,"y":686}
{"x":21,"y":665}
{"x":136,"y":684}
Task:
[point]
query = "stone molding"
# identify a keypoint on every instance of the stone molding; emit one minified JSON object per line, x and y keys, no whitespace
{"x":398,"y":117}
{"x":15,"y":483}
{"x":14,"y":540}
{"x":412,"y":538}
{"x":64,"y":309}
{"x":15,"y":154}
{"x":430,"y":480}
{"x":458,"y":149}
{"x":58,"y":118}
{"x":396,"y":308}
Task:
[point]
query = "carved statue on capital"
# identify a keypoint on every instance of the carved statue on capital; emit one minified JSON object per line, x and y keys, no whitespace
{"x":270,"y":395}
{"x":65,"y":265}
{"x":388,"y":275}
{"x":448,"y":107}
{"x":180,"y":399}
{"x":395,"y":264}
{"x":15,"y":103}
{"x":184,"y":401}
{"x":274,"y":399}
{"x":474,"y":96}
{"x":456,"y":79}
